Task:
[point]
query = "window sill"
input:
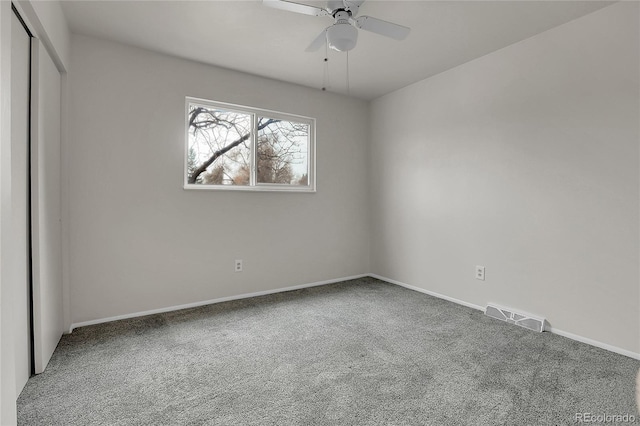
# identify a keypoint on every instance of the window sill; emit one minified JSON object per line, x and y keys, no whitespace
{"x":237,"y":188}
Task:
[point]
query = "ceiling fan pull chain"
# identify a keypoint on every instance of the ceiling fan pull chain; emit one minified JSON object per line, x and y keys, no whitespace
{"x":325,"y":77}
{"x":348,"y":86}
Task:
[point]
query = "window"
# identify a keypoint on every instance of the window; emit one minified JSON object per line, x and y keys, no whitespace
{"x":242,"y":148}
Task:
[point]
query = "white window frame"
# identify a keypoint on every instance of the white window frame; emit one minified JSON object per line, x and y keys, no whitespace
{"x":254,"y":112}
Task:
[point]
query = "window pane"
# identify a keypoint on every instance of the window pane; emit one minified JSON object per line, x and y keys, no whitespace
{"x":218,"y":146}
{"x":283,"y":152}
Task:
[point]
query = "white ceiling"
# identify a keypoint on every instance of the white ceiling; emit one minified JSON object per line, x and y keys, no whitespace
{"x":250,"y":37}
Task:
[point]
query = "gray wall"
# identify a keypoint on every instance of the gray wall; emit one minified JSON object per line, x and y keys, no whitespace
{"x":138,"y":241}
{"x":524,"y":161}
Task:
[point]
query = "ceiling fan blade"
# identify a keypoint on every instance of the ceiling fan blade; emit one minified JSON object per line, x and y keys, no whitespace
{"x":353,"y":3}
{"x":295,"y":7}
{"x":381,"y":27}
{"x":318,"y":42}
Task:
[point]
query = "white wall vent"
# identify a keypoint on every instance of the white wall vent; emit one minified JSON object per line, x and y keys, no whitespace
{"x":518,"y":318}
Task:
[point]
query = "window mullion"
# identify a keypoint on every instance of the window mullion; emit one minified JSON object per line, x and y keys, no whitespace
{"x":284,"y":151}
{"x":254,"y":151}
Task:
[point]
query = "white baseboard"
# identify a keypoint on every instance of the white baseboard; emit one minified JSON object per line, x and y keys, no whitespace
{"x":562,"y":333}
{"x":430,"y":293}
{"x":211,"y":302}
{"x":593,"y":343}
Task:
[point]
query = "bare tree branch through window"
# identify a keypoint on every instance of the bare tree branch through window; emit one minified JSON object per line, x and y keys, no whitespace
{"x":221,"y":146}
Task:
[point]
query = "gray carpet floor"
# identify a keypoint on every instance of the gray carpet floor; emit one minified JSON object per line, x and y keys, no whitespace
{"x":361,"y":352}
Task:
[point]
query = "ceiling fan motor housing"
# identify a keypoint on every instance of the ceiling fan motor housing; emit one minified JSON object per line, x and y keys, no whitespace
{"x":334,"y":5}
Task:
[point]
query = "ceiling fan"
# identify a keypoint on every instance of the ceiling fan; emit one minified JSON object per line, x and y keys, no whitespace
{"x":343,"y":34}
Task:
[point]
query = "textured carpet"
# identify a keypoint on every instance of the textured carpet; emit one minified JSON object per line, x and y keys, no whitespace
{"x":361,"y":352}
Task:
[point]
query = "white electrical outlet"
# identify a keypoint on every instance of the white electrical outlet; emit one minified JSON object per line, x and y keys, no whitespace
{"x":479,"y":272}
{"x":238,"y":265}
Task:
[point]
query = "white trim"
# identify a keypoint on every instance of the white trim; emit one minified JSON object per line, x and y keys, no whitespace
{"x":37,"y":28}
{"x":430,"y":293}
{"x":562,"y":333}
{"x":212,"y":301}
{"x":592,"y":342}
{"x":274,"y":187}
{"x":244,"y":109}
{"x":253,"y":113}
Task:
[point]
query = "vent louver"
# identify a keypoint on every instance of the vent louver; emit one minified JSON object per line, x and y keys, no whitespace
{"x":518,"y":318}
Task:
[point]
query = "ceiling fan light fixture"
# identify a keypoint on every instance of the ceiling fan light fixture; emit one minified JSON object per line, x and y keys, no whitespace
{"x":343,"y":34}
{"x":342,"y":37}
